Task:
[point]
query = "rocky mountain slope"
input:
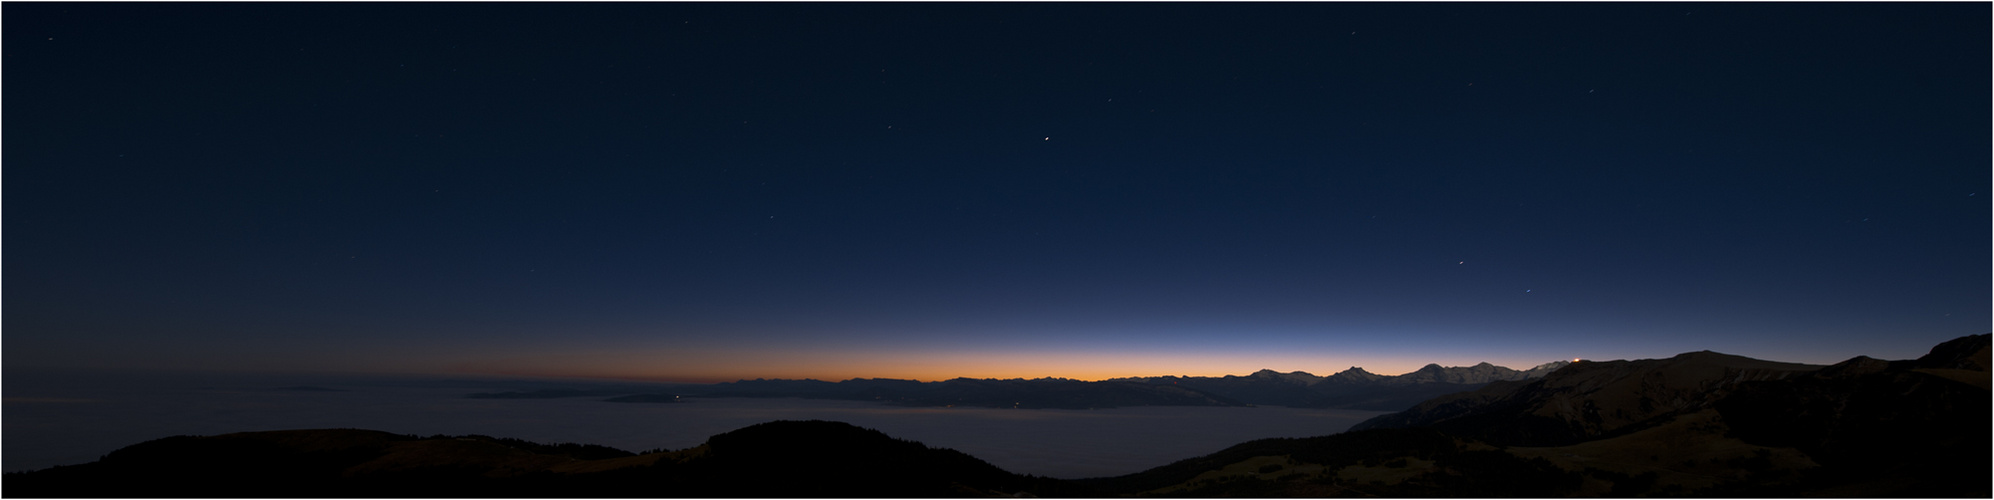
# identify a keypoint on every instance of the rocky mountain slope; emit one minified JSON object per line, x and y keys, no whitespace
{"x":1589,"y":399}
{"x":1697,"y":424}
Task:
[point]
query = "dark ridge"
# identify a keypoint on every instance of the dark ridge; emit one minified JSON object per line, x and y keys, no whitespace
{"x":1458,"y":469}
{"x":775,"y":459}
{"x":646,"y":398}
{"x":280,"y":463}
{"x":1964,"y":353}
{"x":1346,"y":447}
{"x":1590,"y":400}
{"x":1859,"y":422}
{"x":577,"y":451}
{"x":1875,"y":428}
{"x":541,"y":394}
{"x":834,"y":459}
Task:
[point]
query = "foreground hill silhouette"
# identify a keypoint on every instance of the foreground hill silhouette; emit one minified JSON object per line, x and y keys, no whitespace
{"x":1589,"y":399}
{"x":774,"y":459}
{"x":1697,"y":424}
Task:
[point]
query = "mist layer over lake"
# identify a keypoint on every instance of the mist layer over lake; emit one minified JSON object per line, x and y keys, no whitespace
{"x":58,"y":418}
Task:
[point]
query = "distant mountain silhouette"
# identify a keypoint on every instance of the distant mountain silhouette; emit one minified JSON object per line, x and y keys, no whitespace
{"x":1354,"y":388}
{"x":541,"y":394}
{"x":1350,"y":389}
{"x":647,"y":398}
{"x":309,"y":388}
{"x":1012,"y":393}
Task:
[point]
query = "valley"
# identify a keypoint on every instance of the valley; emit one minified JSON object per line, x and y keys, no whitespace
{"x":1698,"y":424}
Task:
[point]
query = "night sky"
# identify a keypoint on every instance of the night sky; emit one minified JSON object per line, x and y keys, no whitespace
{"x":705,"y":192}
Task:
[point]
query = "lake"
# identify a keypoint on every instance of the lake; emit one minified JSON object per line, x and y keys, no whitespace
{"x":58,"y":418}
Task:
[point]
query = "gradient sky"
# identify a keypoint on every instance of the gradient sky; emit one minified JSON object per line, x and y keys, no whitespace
{"x":703,"y":192}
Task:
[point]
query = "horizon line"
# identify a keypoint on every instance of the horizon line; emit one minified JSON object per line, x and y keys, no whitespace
{"x":723,"y":380}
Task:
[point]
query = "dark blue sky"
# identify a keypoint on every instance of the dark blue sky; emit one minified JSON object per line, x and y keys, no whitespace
{"x":715,"y":191}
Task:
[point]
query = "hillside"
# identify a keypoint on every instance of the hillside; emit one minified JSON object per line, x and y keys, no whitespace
{"x":1589,"y":399}
{"x":1385,"y":462}
{"x":775,"y":459}
{"x":1699,"y":424}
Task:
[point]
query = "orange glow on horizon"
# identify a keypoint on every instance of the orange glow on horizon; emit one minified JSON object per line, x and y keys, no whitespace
{"x":711,"y":366}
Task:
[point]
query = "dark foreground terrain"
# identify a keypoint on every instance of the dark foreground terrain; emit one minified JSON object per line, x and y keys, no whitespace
{"x":775,"y":459}
{"x":1698,"y":424}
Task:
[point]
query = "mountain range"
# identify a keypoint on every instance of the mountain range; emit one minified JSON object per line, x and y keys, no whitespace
{"x":1698,"y":424}
{"x":1354,"y":389}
